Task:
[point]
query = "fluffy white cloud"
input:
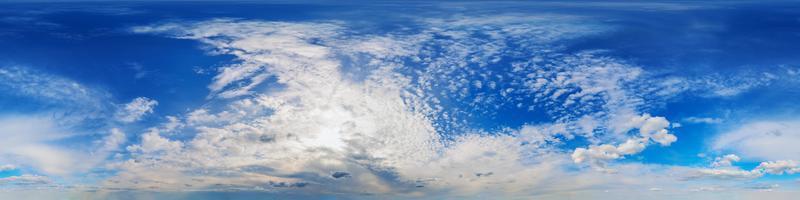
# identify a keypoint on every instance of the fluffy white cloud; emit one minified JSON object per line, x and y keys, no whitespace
{"x":725,"y":161}
{"x":26,"y":138}
{"x":649,"y":128}
{"x":728,"y":173}
{"x":136,"y":109}
{"x":152,"y":142}
{"x":762,"y":140}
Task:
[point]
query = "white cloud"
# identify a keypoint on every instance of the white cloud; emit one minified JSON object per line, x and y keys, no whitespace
{"x":379,"y":118}
{"x":24,"y":180}
{"x":720,"y":85}
{"x":26,"y":138}
{"x":649,"y":128}
{"x":762,"y":140}
{"x":598,"y":155}
{"x":172,"y":123}
{"x":50,"y":89}
{"x":602,"y":152}
{"x":50,"y":159}
{"x":706,"y":120}
{"x":65,"y":101}
{"x":725,"y":171}
{"x":29,"y":142}
{"x":112,"y":141}
{"x":387,"y":127}
{"x":66,"y":109}
{"x":728,"y":173}
{"x":725,"y":161}
{"x":152,"y":142}
{"x":7,"y":167}
{"x":136,"y":109}
{"x":780,"y":167}
{"x":24,"y":130}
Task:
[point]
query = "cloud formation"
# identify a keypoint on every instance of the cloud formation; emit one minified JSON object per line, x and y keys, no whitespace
{"x":650,"y":129}
{"x":763,"y":140}
{"x":7,"y":167}
{"x":379,"y":118}
{"x":725,"y":161}
{"x":62,"y":110}
{"x":320,"y":107}
{"x":136,"y":109}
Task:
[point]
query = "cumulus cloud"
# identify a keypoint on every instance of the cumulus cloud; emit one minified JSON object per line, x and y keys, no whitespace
{"x":136,"y":109}
{"x":722,"y":85}
{"x":390,"y":114}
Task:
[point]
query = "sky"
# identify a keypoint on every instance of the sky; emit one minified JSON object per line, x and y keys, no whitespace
{"x":399,"y":100}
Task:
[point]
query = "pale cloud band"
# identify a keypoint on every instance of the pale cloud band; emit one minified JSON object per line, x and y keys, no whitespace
{"x":325,"y":122}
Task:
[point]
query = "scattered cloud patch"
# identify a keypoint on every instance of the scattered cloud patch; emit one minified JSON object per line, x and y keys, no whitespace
{"x":7,"y":167}
{"x":778,"y":167}
{"x":136,"y":109}
{"x":650,"y":129}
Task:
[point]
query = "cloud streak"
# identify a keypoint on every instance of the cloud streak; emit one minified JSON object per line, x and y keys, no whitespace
{"x":385,"y":126}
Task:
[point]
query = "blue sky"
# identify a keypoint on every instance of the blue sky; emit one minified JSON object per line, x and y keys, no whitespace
{"x":449,"y":100}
